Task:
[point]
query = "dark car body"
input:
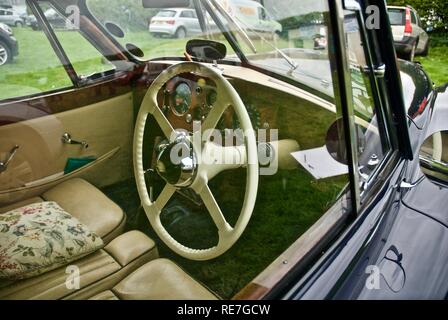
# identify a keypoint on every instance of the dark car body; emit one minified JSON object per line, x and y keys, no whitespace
{"x":404,"y":231}
{"x":10,"y":41}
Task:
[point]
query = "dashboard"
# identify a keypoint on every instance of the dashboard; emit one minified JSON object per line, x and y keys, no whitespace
{"x":187,"y":98}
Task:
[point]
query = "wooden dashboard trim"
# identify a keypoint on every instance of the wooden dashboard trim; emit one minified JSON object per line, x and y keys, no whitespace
{"x":253,"y":76}
{"x":29,"y":108}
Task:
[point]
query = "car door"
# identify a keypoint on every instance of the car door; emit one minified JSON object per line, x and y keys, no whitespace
{"x":2,"y":16}
{"x":5,"y":17}
{"x":42,"y":98}
{"x":263,"y":20}
{"x":196,"y":27}
{"x":187,"y":20}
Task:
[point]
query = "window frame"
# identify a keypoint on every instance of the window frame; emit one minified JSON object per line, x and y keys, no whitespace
{"x":383,"y":128}
{"x":414,"y":17}
{"x":383,"y":102}
{"x":77,"y":81}
{"x":262,"y":14}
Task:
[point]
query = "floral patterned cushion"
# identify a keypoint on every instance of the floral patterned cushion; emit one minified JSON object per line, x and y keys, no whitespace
{"x":41,"y":237}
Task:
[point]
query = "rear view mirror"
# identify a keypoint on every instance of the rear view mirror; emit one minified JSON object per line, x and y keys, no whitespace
{"x":150,"y":4}
{"x":206,"y":49}
{"x":434,"y":157}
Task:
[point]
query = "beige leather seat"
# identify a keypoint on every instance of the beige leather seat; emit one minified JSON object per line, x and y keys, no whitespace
{"x":98,"y":271}
{"x":86,"y":203}
{"x":159,"y":279}
{"x":126,"y":268}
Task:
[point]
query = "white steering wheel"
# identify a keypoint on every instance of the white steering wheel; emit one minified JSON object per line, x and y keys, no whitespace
{"x":204,"y":163}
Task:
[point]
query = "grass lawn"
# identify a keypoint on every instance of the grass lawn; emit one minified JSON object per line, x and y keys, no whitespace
{"x":436,"y":64}
{"x":37,"y":69}
{"x":279,"y":218}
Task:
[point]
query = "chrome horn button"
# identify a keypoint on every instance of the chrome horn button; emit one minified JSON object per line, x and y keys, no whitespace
{"x":177,"y":162}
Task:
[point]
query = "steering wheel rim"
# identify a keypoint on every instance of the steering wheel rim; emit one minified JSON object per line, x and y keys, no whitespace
{"x":247,"y":155}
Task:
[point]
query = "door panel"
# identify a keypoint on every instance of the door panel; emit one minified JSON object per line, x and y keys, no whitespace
{"x":105,"y":126}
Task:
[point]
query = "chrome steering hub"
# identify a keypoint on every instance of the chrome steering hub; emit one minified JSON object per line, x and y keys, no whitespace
{"x":177,"y":162}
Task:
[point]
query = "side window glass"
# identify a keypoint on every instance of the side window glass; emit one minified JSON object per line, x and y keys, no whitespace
{"x":28,"y":64}
{"x":186,"y":14}
{"x":413,"y":18}
{"x":372,"y":143}
{"x":84,"y":57}
{"x":262,"y":14}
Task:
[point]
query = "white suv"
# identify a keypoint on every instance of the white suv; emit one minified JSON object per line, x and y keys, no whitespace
{"x":410,"y":38}
{"x":175,"y":22}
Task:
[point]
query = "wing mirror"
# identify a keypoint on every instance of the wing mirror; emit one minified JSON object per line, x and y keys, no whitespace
{"x":434,"y":157}
{"x":206,"y":49}
{"x":114,"y":29}
{"x":335,"y":141}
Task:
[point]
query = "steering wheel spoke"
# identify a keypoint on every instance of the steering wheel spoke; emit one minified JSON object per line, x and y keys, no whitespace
{"x":212,"y":120}
{"x":216,"y":159}
{"x":165,"y":196}
{"x":215,"y":211}
{"x":163,"y":122}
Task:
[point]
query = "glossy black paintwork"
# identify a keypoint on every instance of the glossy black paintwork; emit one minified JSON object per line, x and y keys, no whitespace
{"x":404,"y":233}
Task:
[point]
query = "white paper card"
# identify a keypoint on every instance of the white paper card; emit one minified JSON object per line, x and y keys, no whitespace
{"x":319,"y":163}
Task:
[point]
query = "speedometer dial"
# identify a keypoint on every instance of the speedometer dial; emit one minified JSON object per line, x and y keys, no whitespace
{"x":182,"y":99}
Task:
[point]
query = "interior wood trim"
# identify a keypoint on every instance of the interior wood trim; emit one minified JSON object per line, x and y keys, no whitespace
{"x":68,"y":99}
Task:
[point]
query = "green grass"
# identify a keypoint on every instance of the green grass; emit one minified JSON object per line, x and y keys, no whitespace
{"x":37,"y":68}
{"x":436,"y":64}
{"x":288,"y":204}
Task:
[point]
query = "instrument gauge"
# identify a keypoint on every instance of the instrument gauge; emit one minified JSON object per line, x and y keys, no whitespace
{"x":182,"y":99}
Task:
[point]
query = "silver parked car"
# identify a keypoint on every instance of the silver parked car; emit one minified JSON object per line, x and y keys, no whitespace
{"x":11,"y":18}
{"x":410,"y":38}
{"x":177,"y":23}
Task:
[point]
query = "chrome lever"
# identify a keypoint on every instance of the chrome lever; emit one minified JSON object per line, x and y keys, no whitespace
{"x":4,"y":165}
{"x":67,"y":139}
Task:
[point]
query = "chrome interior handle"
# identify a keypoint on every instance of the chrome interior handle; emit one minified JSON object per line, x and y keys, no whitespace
{"x":12,"y":153}
{"x":67,"y":139}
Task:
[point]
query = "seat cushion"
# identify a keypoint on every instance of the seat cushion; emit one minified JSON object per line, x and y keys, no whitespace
{"x":160,"y":279}
{"x":98,"y":272}
{"x":41,"y":237}
{"x":86,"y":203}
{"x":90,"y":206}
